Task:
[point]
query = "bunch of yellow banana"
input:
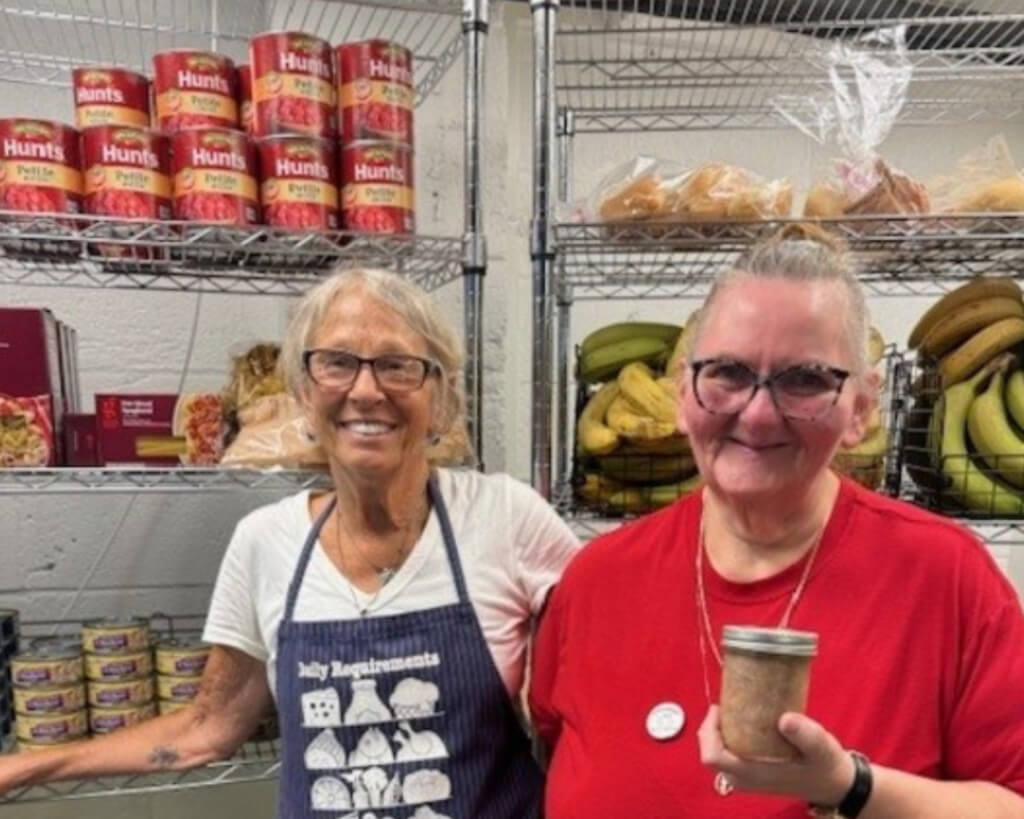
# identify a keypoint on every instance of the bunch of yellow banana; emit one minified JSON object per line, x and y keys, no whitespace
{"x":974,"y":437}
{"x":969,"y":326}
{"x":865,"y":462}
{"x":607,"y":350}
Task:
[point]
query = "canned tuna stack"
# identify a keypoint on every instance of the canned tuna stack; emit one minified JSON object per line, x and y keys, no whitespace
{"x":8,"y":648}
{"x":375,"y":106}
{"x":294,"y":123}
{"x":179,"y":665}
{"x":119,"y":670}
{"x":49,"y":696}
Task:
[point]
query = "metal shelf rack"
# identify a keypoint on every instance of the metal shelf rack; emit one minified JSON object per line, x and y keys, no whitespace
{"x":105,"y":252}
{"x":616,"y":66}
{"x":113,"y":480}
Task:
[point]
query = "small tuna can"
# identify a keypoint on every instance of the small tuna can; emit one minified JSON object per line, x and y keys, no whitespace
{"x":299,"y":190}
{"x":377,"y":194}
{"x":119,"y":667}
{"x":172,"y":706}
{"x":115,"y":635}
{"x":194,"y":88}
{"x":177,"y":689}
{"x":110,"y":96}
{"x":245,"y":114}
{"x":47,"y":664}
{"x":52,"y":729}
{"x":765,"y":673}
{"x":292,"y":84}
{"x":108,"y":720}
{"x":182,"y":658}
{"x":375,"y":91}
{"x":55,"y":699}
{"x":119,"y":693}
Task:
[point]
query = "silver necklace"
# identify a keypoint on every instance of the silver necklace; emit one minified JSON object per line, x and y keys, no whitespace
{"x":722,"y":785}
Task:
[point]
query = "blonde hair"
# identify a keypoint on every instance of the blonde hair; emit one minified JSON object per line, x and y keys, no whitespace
{"x":416,"y":308}
{"x":802,"y":253}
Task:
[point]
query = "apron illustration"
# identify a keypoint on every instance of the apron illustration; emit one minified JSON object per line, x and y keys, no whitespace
{"x":398,"y":717}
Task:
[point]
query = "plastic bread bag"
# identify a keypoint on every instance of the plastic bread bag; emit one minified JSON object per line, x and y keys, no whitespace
{"x":254,"y":375}
{"x":868,"y":79}
{"x":635,"y":191}
{"x":985,"y":180}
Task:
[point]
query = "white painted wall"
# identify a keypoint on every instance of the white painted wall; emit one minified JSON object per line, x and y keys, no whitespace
{"x":80,"y":555}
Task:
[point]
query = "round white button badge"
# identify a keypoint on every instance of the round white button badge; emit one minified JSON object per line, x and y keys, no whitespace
{"x":665,"y":720}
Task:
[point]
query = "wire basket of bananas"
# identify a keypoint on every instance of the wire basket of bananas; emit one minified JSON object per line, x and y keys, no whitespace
{"x":962,"y":442}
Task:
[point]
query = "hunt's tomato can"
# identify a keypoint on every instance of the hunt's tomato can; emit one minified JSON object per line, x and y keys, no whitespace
{"x":194,"y":88}
{"x":126,"y":172}
{"x":292,"y":84}
{"x":110,"y":96}
{"x":245,"y":97}
{"x":375,"y":91}
{"x":299,"y":186}
{"x":377,"y":194}
{"x":214,"y":174}
{"x":39,"y":167}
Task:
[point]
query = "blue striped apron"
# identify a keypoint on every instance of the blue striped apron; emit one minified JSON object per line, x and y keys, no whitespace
{"x":398,"y":717}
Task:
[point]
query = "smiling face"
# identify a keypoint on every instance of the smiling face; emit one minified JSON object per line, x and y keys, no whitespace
{"x":771,"y":324}
{"x":367,"y":432}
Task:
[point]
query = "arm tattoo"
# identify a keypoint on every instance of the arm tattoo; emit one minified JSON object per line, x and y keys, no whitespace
{"x":163,"y":757}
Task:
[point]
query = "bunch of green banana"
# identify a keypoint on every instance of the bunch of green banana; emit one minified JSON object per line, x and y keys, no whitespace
{"x":606,"y":351}
{"x":970,"y":326}
{"x":648,"y":498}
{"x":993,"y":422}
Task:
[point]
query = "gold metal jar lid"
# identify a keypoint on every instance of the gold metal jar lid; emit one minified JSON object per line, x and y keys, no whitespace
{"x":783,"y":641}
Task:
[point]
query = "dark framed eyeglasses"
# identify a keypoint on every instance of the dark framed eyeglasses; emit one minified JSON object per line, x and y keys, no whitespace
{"x":339,"y":369}
{"x":803,"y":392}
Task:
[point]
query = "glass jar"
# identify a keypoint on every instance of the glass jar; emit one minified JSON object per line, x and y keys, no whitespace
{"x":765,"y":673}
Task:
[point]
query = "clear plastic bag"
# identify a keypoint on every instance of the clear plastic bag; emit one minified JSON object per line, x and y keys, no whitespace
{"x":867,"y":83}
{"x":985,"y":180}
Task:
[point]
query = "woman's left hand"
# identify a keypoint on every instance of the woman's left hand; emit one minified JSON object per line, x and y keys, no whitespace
{"x":822,"y":775}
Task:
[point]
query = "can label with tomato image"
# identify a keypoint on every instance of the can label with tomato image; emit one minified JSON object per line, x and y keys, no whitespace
{"x":300,"y":184}
{"x":377,"y":194}
{"x":194,"y":88}
{"x":126,"y":176}
{"x":214,"y":173}
{"x":110,"y":96}
{"x":292,"y":85}
{"x":245,"y":97}
{"x":39,"y":167}
{"x":375,"y":91}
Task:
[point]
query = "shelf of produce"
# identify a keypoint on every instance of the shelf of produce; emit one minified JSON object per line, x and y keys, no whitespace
{"x":899,"y":255}
{"x":643,"y":65}
{"x":152,"y":479}
{"x":85,"y":251}
{"x":46,"y":39}
{"x":255,"y":762}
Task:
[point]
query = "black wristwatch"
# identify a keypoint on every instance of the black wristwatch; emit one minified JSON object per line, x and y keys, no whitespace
{"x":857,"y":797}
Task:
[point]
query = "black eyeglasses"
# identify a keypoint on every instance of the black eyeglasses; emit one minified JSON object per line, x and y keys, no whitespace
{"x":803,"y":392}
{"x":339,"y":369}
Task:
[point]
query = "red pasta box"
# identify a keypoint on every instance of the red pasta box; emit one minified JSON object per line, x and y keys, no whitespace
{"x":26,"y":431}
{"x":159,"y":429}
{"x":81,"y":447}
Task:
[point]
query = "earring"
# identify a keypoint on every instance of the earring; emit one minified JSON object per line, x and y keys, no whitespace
{"x":307,"y":430}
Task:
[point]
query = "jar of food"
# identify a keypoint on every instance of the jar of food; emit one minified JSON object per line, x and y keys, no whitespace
{"x":765,"y":673}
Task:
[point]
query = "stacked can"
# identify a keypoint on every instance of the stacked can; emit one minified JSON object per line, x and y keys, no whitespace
{"x":179,"y":665}
{"x":8,"y":648}
{"x":48,"y":694}
{"x":110,"y":96}
{"x":375,"y":108}
{"x":194,"y":88}
{"x":119,"y":670}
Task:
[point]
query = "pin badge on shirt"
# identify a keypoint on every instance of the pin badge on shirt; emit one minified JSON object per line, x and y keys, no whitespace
{"x":665,"y":720}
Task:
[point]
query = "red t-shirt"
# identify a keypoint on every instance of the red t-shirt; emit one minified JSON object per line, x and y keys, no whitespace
{"x":920,"y":662}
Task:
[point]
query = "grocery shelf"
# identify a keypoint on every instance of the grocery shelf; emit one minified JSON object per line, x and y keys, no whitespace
{"x":256,"y":761}
{"x":628,"y":65}
{"x":42,"y":40}
{"x":40,"y":249}
{"x":152,"y":479}
{"x":898,"y":255}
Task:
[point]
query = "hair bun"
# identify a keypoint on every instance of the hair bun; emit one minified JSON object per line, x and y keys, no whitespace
{"x":810,"y":232}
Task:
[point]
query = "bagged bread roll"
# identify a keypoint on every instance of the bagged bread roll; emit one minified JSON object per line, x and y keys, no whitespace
{"x":721,"y":192}
{"x":1002,"y":196}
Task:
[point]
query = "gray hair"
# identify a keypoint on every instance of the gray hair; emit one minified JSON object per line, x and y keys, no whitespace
{"x":410,"y":302}
{"x":817,"y":259}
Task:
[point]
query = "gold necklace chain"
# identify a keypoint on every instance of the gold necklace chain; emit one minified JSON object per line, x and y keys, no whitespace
{"x":706,"y":633}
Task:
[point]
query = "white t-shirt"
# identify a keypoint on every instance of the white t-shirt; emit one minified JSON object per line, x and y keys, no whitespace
{"x":512,"y":544}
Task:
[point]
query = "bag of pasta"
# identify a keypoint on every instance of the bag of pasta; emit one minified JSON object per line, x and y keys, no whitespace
{"x":254,"y":375}
{"x":26,"y":431}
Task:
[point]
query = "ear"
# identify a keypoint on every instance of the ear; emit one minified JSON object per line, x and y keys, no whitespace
{"x":864,"y":404}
